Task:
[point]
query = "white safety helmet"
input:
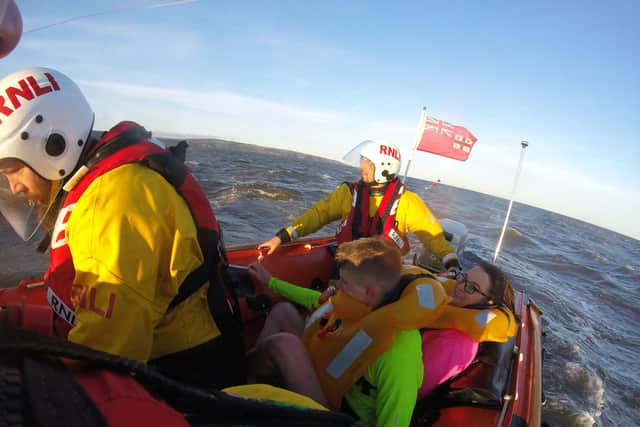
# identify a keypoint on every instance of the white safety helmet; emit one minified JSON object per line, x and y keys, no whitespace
{"x":45,"y":122}
{"x":384,"y":155}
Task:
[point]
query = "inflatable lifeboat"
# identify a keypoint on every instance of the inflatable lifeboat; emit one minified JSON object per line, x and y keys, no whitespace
{"x":502,"y":387}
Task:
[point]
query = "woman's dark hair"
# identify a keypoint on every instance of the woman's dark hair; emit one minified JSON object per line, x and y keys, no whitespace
{"x":501,"y":291}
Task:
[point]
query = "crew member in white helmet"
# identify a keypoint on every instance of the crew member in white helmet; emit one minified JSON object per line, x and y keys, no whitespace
{"x":377,"y":204}
{"x":136,"y":251}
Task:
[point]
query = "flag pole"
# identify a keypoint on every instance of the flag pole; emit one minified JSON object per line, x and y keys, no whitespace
{"x":524,"y":145}
{"x":419,"y":131}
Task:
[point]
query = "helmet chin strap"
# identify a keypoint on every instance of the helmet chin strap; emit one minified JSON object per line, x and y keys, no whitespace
{"x":48,"y":216}
{"x":377,"y":189}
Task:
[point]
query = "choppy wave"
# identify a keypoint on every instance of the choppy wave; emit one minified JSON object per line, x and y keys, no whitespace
{"x":513,"y":236}
{"x":595,"y":255}
{"x":564,"y":267}
{"x":589,"y":384}
{"x":255,"y":190}
{"x":286,"y":173}
{"x":627,"y":306}
{"x":560,"y":412}
{"x":583,"y":406}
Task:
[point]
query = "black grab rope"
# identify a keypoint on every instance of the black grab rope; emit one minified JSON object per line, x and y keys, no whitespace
{"x":200,"y":406}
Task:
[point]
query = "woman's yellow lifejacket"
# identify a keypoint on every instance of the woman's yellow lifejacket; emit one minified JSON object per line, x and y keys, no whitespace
{"x":488,"y":324}
{"x":342,"y":348}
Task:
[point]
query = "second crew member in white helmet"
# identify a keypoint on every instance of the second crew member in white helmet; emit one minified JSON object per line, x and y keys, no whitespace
{"x":377,"y":204}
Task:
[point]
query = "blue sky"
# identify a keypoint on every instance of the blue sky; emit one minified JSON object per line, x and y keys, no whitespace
{"x":319,"y":77}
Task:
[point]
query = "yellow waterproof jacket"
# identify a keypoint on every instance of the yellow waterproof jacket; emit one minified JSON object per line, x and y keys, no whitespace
{"x":412,"y":216}
{"x":489,"y":324}
{"x":133,"y":241}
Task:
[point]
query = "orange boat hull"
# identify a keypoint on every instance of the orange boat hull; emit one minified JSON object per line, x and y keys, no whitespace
{"x":309,"y":262}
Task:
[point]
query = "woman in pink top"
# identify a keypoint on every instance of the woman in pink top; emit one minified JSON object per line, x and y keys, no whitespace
{"x":447,"y":352}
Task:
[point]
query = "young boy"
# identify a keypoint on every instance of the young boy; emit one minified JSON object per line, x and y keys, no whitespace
{"x":361,"y":350}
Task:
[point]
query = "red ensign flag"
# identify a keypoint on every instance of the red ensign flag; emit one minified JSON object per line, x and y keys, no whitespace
{"x":444,"y":139}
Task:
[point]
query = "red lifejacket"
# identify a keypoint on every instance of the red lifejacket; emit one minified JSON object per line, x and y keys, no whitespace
{"x":358,"y":224}
{"x":125,"y":143}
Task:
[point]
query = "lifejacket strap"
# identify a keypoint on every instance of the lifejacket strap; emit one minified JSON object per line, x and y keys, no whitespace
{"x":128,"y":137}
{"x":190,"y":285}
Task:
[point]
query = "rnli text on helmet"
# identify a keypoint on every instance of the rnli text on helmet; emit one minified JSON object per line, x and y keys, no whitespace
{"x":388,"y":151}
{"x":28,"y":88}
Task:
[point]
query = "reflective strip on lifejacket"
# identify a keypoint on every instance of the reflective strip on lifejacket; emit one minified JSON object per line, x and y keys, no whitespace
{"x":395,"y":205}
{"x":426,"y":298}
{"x":60,"y":308}
{"x":58,"y":235}
{"x":354,"y":348}
{"x":318,"y":314}
{"x":354,"y":196}
{"x":395,"y":237}
{"x":484,"y":317}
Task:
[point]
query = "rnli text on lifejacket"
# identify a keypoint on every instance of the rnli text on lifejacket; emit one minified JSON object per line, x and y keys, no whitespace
{"x":79,"y":298}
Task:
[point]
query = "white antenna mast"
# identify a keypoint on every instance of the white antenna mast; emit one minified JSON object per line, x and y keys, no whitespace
{"x":524,"y":144}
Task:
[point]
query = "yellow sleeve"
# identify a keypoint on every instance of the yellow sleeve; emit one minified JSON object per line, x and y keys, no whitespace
{"x":336,"y":205}
{"x":480,"y":325}
{"x":133,"y":242}
{"x":415,"y":217}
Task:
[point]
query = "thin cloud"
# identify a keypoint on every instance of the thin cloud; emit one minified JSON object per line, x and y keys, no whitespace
{"x":218,"y":102}
{"x":119,"y":39}
{"x":106,"y":12}
{"x":296,"y":45}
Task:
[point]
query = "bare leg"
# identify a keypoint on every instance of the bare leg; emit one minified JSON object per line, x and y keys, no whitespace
{"x":283,"y":317}
{"x":285,"y":354}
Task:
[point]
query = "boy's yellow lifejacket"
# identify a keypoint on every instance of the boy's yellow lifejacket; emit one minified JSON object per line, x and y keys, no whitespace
{"x":342,"y":347}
